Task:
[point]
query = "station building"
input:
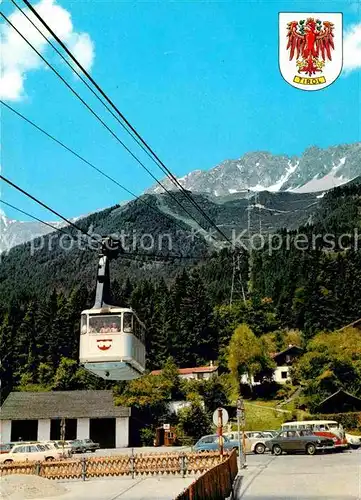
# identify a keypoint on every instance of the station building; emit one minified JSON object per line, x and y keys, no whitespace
{"x":82,"y":414}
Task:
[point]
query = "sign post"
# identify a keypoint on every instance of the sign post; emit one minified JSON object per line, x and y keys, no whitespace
{"x":220,"y":418}
{"x":220,"y":427}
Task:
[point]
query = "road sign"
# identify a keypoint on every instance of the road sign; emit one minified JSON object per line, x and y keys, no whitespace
{"x":240,"y":404}
{"x":225,"y":417}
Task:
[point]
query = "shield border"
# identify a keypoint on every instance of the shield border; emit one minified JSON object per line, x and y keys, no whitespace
{"x":279,"y":48}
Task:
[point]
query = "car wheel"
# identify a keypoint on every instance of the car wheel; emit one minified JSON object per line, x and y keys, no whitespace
{"x":8,"y":462}
{"x":277,"y":450}
{"x":259,"y":449}
{"x":310,"y":449}
{"x":49,"y":459}
{"x":93,"y":451}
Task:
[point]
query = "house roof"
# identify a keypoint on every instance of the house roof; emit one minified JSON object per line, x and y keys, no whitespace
{"x":355,"y":324}
{"x":290,"y":348}
{"x":340,"y":400}
{"x":189,"y":371}
{"x":61,"y":404}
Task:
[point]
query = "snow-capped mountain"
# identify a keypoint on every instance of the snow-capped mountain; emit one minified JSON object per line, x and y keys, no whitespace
{"x":315,"y":170}
{"x":14,"y":232}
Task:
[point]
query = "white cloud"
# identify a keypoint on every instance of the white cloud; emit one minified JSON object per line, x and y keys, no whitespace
{"x":352,"y":49}
{"x":17,"y":58}
{"x":83,"y":49}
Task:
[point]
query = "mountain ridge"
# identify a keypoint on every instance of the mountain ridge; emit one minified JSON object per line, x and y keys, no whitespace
{"x":317,"y":169}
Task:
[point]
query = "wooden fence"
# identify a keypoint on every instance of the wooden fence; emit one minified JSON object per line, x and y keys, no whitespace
{"x":119,"y":465}
{"x":214,"y":484}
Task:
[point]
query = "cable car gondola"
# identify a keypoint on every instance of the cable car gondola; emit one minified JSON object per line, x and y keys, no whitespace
{"x":111,"y":337}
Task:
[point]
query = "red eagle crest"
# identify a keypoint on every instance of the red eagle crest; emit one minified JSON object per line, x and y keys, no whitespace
{"x":310,"y":40}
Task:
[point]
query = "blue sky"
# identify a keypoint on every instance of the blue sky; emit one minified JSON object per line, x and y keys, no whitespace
{"x":199,"y":80}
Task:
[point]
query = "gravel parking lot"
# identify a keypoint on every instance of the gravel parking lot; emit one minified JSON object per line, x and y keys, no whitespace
{"x":117,"y":488}
{"x":334,"y":476}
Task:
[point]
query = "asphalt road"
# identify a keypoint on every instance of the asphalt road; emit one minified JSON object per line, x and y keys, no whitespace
{"x":335,"y":476}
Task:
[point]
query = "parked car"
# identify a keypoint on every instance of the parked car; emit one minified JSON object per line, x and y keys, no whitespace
{"x":24,"y":452}
{"x":77,"y":446}
{"x":5,"y":448}
{"x":63,"y":446}
{"x":353,"y":441}
{"x":254,"y":441}
{"x":298,"y":441}
{"x":270,"y":434}
{"x":89,"y":445}
{"x":53,"y":445}
{"x":211,"y":443}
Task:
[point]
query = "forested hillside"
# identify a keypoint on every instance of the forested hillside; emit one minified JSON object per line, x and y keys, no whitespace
{"x":185,"y":304}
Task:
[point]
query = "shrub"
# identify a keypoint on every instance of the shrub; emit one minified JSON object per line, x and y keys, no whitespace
{"x":147,"y":436}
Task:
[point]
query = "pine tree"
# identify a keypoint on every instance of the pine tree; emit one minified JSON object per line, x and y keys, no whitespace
{"x":25,"y":345}
{"x":7,"y":361}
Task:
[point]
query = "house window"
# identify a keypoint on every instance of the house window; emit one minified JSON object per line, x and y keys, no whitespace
{"x":284,"y":375}
{"x":200,"y":376}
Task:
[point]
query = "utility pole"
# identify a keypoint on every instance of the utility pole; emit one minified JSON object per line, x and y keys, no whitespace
{"x":237,"y":273}
{"x":241,"y":447}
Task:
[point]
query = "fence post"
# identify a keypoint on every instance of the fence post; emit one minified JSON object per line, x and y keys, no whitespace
{"x":183,"y":465}
{"x":83,"y":468}
{"x":132,"y":463}
{"x":37,"y":468}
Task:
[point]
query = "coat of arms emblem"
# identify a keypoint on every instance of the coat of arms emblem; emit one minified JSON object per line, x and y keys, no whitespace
{"x":310,"y":49}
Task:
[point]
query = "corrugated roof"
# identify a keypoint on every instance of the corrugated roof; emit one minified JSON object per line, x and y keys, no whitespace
{"x":61,"y":404}
{"x":188,"y":371}
{"x":355,"y":324}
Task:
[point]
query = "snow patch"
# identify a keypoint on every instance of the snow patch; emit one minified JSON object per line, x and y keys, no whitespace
{"x":290,"y":170}
{"x":321,"y":195}
{"x":341,"y":163}
{"x":258,"y":188}
{"x":327,"y":182}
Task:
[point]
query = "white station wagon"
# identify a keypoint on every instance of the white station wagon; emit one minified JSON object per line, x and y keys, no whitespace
{"x":32,"y":452}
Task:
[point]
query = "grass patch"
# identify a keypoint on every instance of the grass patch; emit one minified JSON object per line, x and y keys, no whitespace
{"x":263,"y":415}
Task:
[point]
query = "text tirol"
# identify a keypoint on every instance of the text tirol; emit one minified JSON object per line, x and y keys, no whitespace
{"x":309,"y":81}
